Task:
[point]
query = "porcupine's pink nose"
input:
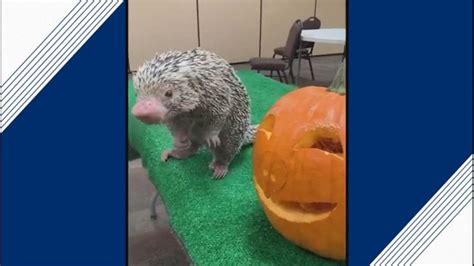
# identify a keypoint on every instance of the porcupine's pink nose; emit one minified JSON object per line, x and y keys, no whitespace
{"x":149,"y":111}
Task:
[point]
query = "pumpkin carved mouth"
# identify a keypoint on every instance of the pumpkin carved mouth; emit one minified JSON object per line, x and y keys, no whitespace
{"x":298,"y":212}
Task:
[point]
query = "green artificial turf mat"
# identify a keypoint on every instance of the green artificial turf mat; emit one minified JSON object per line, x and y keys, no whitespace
{"x":218,"y":222}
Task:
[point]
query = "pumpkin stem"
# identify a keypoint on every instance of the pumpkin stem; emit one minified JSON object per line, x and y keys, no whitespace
{"x":338,"y":84}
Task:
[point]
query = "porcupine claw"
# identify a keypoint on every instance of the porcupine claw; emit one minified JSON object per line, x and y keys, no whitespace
{"x":220,"y":171}
{"x":165,"y":155}
{"x":213,"y":141}
{"x":211,"y":165}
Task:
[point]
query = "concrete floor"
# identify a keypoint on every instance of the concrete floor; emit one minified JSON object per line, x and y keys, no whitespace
{"x":150,"y":242}
{"x":153,"y":242}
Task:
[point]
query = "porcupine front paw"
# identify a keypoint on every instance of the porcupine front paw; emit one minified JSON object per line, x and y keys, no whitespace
{"x":165,"y":155}
{"x":213,"y":141}
{"x":219,"y":171}
{"x":178,"y":153}
{"x":211,"y":165}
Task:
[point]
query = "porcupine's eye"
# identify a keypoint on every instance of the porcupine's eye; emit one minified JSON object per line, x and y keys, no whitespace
{"x":168,"y":93}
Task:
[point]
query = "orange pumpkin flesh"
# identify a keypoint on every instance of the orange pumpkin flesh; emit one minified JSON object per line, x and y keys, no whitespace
{"x":299,"y":169}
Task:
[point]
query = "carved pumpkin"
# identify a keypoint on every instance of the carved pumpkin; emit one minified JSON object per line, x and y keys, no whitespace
{"x":299,"y":169}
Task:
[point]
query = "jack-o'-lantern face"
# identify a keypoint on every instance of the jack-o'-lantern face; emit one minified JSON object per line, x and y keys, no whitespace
{"x":299,"y":169}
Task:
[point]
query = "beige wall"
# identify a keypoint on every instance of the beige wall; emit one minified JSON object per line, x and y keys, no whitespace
{"x":332,"y":14}
{"x":156,"y":26}
{"x":231,"y":28}
{"x":277,"y":18}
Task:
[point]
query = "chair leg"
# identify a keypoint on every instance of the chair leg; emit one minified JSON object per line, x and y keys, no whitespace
{"x":271,"y":71}
{"x":153,"y":214}
{"x":279,"y":75}
{"x":284,"y":75}
{"x":311,"y":67}
{"x":292,"y":76}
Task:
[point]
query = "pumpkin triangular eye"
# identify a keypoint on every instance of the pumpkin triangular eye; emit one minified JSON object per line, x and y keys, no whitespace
{"x":325,"y":139}
{"x":267,"y":125}
{"x":328,"y":144}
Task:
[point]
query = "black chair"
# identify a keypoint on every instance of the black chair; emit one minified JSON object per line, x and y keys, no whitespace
{"x":310,"y":23}
{"x":280,"y":65}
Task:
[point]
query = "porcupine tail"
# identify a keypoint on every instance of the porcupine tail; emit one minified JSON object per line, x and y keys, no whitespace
{"x":249,"y":136}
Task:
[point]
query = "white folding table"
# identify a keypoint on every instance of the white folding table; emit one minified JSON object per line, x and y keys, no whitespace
{"x":330,"y":35}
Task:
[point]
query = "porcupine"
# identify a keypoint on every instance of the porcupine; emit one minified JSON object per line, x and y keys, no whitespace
{"x":201,"y":100}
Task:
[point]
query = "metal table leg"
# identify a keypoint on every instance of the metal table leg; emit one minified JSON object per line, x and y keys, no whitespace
{"x":299,"y":64}
{"x":153,"y":214}
{"x":344,"y":54}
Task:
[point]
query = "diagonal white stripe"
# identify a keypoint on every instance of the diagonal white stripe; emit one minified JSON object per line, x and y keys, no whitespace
{"x":454,"y":196}
{"x":55,"y":52}
{"x":453,"y":235}
{"x":25,"y":24}
{"x":48,"y":52}
{"x":423,"y":212}
{"x":428,"y":223}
